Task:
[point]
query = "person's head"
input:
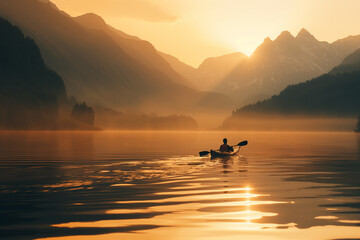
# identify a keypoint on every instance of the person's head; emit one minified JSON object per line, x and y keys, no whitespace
{"x":225,"y":141}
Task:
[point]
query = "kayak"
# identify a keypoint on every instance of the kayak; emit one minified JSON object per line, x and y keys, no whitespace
{"x":218,"y":154}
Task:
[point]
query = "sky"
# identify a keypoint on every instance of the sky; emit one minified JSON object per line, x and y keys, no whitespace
{"x":193,"y":30}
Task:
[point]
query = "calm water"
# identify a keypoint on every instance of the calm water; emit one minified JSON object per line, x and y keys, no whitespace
{"x":152,"y":185}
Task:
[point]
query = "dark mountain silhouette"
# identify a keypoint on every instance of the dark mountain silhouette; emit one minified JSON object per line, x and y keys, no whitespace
{"x":332,"y":94}
{"x":284,"y":61}
{"x":273,"y":66}
{"x":30,"y":93}
{"x":100,"y":66}
{"x":350,"y":64}
{"x":142,"y":51}
{"x":83,"y":113}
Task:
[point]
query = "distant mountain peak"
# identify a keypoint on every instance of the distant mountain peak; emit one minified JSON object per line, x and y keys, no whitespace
{"x":305,"y":34}
{"x":285,"y":34}
{"x":91,"y":19}
{"x":227,"y":56}
{"x":267,"y":40}
{"x":92,"y":16}
{"x":46,"y":2}
{"x":284,"y":38}
{"x":303,"y":31}
{"x":52,"y":5}
{"x":266,"y":45}
{"x":227,"y":59}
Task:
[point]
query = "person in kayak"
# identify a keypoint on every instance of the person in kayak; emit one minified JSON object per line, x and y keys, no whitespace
{"x":225,"y":147}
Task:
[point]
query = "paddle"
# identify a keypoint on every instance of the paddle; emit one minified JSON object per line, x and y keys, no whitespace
{"x":240,"y":144}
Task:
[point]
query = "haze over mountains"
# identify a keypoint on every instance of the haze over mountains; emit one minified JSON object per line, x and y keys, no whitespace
{"x":273,"y":66}
{"x":350,"y":64}
{"x":142,"y":51}
{"x":111,"y":69}
{"x":102,"y":65}
{"x":211,"y":71}
{"x":335,"y":94}
{"x":30,"y":93}
{"x":284,"y":61}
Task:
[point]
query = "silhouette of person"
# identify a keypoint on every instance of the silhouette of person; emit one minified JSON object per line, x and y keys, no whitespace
{"x":225,"y":147}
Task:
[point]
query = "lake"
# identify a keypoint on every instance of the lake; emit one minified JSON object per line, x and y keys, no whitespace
{"x":153,"y":185}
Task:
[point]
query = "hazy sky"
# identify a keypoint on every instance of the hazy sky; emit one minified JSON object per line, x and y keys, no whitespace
{"x":193,"y":30}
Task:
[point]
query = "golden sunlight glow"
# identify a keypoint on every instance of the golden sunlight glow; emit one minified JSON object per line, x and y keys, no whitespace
{"x":269,"y":232}
{"x":186,"y":221}
{"x":326,"y":217}
{"x":248,"y":203}
{"x":194,"y":30}
{"x":182,"y":210}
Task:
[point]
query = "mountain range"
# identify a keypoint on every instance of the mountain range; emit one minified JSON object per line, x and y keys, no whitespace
{"x":104,"y":66}
{"x":350,"y":64}
{"x":108,"y":68}
{"x":142,"y":51}
{"x":335,"y":94}
{"x":274,"y":65}
{"x":284,"y":61}
{"x":211,"y":71}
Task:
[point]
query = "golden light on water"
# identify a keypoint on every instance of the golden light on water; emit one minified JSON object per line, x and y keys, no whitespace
{"x":188,"y":221}
{"x":326,"y":217}
{"x":248,"y":203}
{"x":185,"y":210}
{"x":205,"y":203}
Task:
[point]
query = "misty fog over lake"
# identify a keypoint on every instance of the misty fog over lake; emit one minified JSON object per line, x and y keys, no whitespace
{"x":153,"y":185}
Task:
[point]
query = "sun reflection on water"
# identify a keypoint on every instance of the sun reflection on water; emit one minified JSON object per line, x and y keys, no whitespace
{"x":303,"y":189}
{"x":248,"y":199}
{"x":197,"y":213}
{"x":190,"y":209}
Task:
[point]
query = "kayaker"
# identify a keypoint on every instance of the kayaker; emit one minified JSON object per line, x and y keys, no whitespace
{"x":225,"y":147}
